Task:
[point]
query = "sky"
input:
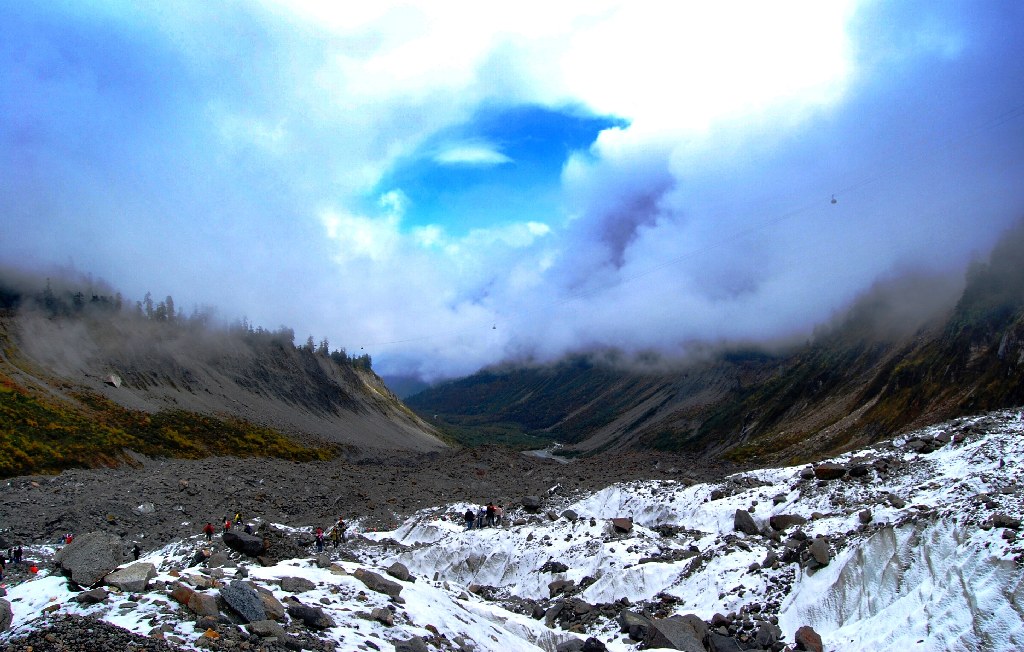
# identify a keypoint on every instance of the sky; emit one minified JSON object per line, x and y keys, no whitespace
{"x":449,"y":185}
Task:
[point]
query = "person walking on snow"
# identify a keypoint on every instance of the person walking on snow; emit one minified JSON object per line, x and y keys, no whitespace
{"x":208,"y":531}
{"x":470,"y":517}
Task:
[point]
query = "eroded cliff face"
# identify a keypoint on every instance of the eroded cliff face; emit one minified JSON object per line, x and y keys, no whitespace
{"x":261,"y":378}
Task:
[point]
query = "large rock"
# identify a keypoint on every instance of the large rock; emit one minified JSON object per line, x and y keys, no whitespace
{"x":718,"y":643}
{"x":685,"y":633}
{"x":198,"y":603}
{"x":312,"y":617}
{"x":133,"y":579}
{"x":244,"y":601}
{"x":820,"y":551}
{"x":531,"y":503}
{"x":808,"y":639}
{"x":633,"y":624}
{"x":267,"y":629}
{"x":297,"y":584}
{"x":6,"y":615}
{"x":399,"y":571}
{"x":829,"y":471}
{"x":95,"y":596}
{"x":744,"y":522}
{"x":247,"y":544}
{"x":780,"y":522}
{"x":622,"y":524}
{"x":275,"y":610}
{"x":414,"y":644}
{"x":377,"y":583}
{"x":88,"y":558}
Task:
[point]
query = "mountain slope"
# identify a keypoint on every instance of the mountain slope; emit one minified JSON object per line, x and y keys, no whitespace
{"x":211,"y":391}
{"x":903,"y":357}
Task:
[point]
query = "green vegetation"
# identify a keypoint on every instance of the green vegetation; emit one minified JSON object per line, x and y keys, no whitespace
{"x":502,"y":434}
{"x":46,"y":435}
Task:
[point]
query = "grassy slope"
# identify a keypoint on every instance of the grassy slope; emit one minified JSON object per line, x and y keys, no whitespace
{"x":43,"y":434}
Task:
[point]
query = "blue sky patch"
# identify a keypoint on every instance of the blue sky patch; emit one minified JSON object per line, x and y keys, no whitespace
{"x":501,"y":166}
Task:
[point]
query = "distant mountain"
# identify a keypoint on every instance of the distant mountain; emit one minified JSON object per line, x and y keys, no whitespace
{"x":84,"y":380}
{"x":405,"y":386}
{"x":910,"y":353}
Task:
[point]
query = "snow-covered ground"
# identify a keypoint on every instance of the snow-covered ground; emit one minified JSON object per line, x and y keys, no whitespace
{"x":925,"y":569}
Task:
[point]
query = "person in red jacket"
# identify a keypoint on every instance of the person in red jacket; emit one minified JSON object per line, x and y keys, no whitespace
{"x":208,"y":530}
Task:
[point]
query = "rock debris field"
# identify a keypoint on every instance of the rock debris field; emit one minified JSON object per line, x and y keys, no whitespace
{"x":912,"y":543}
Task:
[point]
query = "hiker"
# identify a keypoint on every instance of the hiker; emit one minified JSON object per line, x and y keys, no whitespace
{"x":335,"y":536}
{"x":18,"y":552}
{"x":342,"y":526}
{"x":319,"y":539}
{"x":68,"y":538}
{"x":238,"y":517}
{"x":490,"y":514}
{"x":3,"y":566}
{"x":227,"y":523}
{"x":481,"y":517}
{"x":499,"y":511}
{"x":208,"y":531}
{"x":470,"y":517}
{"x":248,"y":528}
{"x":33,"y":569}
{"x":136,"y":550}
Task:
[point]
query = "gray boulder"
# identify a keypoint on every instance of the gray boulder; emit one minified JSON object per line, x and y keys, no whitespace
{"x":95,"y":596}
{"x":312,"y":617}
{"x":383,"y":615}
{"x":531,"y":503}
{"x":399,"y":571}
{"x":247,"y":544}
{"x":685,"y":633}
{"x":375,"y":582}
{"x":296,"y":584}
{"x":744,"y":522}
{"x":718,"y":643}
{"x":6,"y":615}
{"x":780,"y":522}
{"x":820,"y":551}
{"x":414,"y":644}
{"x":633,"y":624}
{"x":133,"y":579}
{"x":244,"y":601}
{"x":267,"y":629}
{"x":88,"y":558}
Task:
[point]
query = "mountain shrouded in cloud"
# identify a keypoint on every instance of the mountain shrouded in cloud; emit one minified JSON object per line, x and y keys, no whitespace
{"x":447,"y":186}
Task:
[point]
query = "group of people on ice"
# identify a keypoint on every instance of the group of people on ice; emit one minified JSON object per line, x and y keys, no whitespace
{"x":336,"y":535}
{"x":489,"y":515}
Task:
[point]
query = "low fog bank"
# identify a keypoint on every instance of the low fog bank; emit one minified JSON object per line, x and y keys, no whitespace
{"x":895,"y":307}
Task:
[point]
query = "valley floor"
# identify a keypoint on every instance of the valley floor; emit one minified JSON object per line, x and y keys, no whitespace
{"x":911,"y":544}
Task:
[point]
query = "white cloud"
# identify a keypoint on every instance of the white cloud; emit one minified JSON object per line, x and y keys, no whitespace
{"x":482,"y":154}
